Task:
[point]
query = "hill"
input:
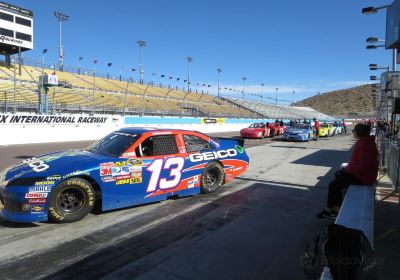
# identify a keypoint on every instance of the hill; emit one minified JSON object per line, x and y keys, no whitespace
{"x":356,"y":102}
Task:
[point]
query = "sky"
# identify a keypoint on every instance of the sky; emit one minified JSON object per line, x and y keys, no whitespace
{"x":302,"y":46}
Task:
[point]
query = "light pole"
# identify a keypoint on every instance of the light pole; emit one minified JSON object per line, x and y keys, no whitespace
{"x":293,"y":96}
{"x":189,"y":60}
{"x":108,"y":71}
{"x":262,"y":92}
{"x":141,"y":44}
{"x":373,"y":40}
{"x":15,"y":88}
{"x":60,"y":17}
{"x":276,"y":96}
{"x":243,"y":80}
{"x":94,"y":85}
{"x":79,"y":64}
{"x":219,"y":70}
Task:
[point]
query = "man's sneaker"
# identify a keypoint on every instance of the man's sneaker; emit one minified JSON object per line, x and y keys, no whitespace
{"x":331,"y":215}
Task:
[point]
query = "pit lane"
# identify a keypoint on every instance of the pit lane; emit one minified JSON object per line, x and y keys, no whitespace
{"x":240,"y":232}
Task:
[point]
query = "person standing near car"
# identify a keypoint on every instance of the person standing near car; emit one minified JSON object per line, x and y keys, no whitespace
{"x":317,"y":126}
{"x":344,"y":126}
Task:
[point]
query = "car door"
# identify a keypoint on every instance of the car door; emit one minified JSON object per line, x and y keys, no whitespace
{"x":163,"y":162}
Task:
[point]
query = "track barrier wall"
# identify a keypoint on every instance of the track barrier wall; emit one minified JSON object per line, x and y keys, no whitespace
{"x":26,"y":129}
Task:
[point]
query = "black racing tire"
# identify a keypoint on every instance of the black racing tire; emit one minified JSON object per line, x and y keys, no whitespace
{"x":71,"y":201}
{"x":272,"y":133}
{"x":212,"y":177}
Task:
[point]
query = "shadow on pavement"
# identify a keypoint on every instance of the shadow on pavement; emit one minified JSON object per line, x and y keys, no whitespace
{"x":266,"y":225}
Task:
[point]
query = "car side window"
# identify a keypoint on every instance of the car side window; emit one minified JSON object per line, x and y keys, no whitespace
{"x":157,"y":146}
{"x":195,"y":144}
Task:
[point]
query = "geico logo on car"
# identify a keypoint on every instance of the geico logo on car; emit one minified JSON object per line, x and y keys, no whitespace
{"x":212,"y":155}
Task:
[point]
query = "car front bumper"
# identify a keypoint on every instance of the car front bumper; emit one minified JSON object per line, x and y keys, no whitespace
{"x":15,"y":208}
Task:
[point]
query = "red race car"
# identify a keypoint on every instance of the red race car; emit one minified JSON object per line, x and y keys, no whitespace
{"x":256,"y":130}
{"x":276,"y":129}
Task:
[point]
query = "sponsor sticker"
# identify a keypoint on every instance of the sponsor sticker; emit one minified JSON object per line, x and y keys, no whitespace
{"x":212,"y":155}
{"x":37,"y":209}
{"x":36,"y":195}
{"x":36,"y":189}
{"x":239,"y":149}
{"x":44,"y":183}
{"x":130,"y":154}
{"x":77,"y":172}
{"x":54,"y":178}
{"x":134,"y":180}
{"x":108,"y":179}
{"x":36,"y":200}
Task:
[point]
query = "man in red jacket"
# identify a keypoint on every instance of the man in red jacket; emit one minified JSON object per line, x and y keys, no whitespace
{"x":362,"y":170}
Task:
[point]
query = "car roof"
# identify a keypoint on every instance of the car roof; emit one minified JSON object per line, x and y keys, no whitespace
{"x":141,"y":130}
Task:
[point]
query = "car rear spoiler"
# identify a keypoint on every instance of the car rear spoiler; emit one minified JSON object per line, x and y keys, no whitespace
{"x":239,"y":141}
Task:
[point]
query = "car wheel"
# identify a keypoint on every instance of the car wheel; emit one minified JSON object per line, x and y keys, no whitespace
{"x":272,"y":133}
{"x":71,"y":200}
{"x":212,"y":177}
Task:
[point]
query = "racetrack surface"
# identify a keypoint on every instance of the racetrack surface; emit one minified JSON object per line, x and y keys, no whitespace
{"x":255,"y":227}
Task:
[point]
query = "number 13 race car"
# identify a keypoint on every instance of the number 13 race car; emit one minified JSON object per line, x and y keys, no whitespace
{"x":128,"y":167}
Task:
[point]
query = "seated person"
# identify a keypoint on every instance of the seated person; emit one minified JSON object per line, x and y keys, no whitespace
{"x":362,"y":170}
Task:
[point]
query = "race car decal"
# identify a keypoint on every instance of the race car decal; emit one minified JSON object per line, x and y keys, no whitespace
{"x":199,"y":166}
{"x":37,"y":209}
{"x":37,"y":165}
{"x":212,"y":155}
{"x":174,"y":165}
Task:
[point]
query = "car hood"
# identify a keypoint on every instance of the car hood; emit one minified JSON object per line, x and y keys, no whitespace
{"x":57,"y":166}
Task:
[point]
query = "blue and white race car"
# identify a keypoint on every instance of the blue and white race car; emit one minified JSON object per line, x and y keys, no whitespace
{"x":128,"y":167}
{"x":299,"y":132}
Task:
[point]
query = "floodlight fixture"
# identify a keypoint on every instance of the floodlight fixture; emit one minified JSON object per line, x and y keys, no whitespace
{"x":372,"y":10}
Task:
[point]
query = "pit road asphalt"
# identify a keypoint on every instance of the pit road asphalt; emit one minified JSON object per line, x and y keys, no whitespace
{"x":255,"y":227}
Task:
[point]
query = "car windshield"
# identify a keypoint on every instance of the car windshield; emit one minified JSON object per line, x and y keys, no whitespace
{"x":113,"y":144}
{"x":301,"y":126}
{"x":256,"y":125}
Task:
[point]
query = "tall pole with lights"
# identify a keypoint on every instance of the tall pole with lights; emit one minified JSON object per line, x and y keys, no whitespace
{"x":60,"y":17}
{"x":189,"y":60}
{"x":243,"y":80}
{"x":293,"y":92}
{"x":262,"y":92}
{"x":219,"y":70}
{"x":276,"y":96}
{"x":141,"y":44}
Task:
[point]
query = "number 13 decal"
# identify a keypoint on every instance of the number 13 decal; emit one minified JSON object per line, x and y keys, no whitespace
{"x":164,"y":183}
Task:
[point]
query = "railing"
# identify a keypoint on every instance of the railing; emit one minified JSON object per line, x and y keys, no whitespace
{"x":389,"y":160}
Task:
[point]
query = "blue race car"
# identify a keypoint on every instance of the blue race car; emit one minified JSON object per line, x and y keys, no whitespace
{"x":128,"y":167}
{"x":299,"y":132}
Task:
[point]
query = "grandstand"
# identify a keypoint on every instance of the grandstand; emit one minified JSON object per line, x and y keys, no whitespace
{"x":279,"y":111}
{"x":82,"y":90}
{"x":94,"y":93}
